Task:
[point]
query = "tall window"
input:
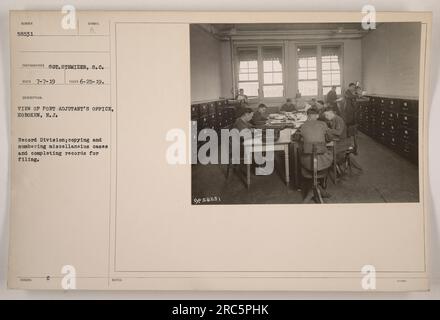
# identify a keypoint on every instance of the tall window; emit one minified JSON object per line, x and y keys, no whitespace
{"x":273,"y":72}
{"x":260,"y":71}
{"x":331,"y":69}
{"x":248,"y":71}
{"x":307,"y":71}
{"x":319,"y":68}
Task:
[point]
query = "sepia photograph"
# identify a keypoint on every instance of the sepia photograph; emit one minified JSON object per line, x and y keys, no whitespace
{"x":291,"y":113}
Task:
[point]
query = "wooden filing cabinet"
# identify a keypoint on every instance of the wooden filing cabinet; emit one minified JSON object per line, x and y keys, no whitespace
{"x":215,"y":115}
{"x":393,"y":122}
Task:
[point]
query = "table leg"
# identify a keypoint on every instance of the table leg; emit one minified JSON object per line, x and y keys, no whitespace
{"x":286,"y":163}
{"x":335,"y":181}
{"x":248,"y":176}
{"x":295,"y":165}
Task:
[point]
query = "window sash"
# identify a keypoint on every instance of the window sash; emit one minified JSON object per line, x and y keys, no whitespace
{"x":266,"y":72}
{"x":317,"y":79}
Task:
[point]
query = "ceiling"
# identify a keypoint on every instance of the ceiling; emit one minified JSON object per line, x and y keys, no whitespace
{"x":255,"y":27}
{"x":253,"y":31}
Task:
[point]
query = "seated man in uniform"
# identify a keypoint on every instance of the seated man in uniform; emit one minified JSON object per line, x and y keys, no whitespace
{"x":314,"y":132}
{"x":242,"y":97}
{"x":243,"y":122}
{"x":288,"y":106}
{"x":337,"y":128}
{"x":338,"y":131}
{"x":300,"y":103}
{"x":316,"y":105}
{"x":259,"y":116}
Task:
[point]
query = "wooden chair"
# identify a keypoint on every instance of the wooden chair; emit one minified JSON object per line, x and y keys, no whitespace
{"x":314,"y":176}
{"x":349,"y":161}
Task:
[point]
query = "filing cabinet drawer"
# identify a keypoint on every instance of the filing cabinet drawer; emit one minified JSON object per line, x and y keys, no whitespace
{"x":392,"y":141}
{"x":202,"y":123}
{"x":203,"y":110}
{"x":211,"y":108}
{"x":408,"y":122}
{"x":393,"y":129}
{"x":387,"y":139}
{"x":408,"y":136}
{"x":382,"y":115}
{"x":383,"y":102}
{"x":364,"y":108}
{"x":382,"y":137}
{"x":220,"y":104}
{"x":194,"y":112}
{"x":410,"y":107}
{"x":392,"y":105}
{"x":219,"y":108}
{"x":374,"y":101}
{"x":391,"y":117}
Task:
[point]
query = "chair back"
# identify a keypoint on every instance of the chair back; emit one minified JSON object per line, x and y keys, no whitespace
{"x":314,"y":164}
{"x":352,"y":131}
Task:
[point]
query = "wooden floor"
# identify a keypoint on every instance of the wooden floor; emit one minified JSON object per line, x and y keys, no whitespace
{"x":387,"y":177}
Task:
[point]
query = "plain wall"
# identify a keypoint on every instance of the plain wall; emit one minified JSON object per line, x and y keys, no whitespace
{"x":206,"y":65}
{"x":391,"y":56}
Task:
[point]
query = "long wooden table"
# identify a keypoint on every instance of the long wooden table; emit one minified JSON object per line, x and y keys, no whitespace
{"x":283,"y":144}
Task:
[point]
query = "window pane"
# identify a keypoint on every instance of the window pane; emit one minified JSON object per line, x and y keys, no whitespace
{"x":248,"y":68}
{"x":326,"y":66}
{"x":302,"y":75}
{"x":308,"y":88}
{"x":278,"y":77}
{"x":267,"y":65}
{"x":326,"y":79}
{"x":253,"y":76}
{"x":268,"y":79}
{"x":244,"y":64}
{"x":307,"y":70}
{"x":331,"y":68}
{"x":250,"y":88}
{"x":312,"y":75}
{"x":302,"y":63}
{"x":253,"y":64}
{"x":311,"y":62}
{"x":335,"y":65}
{"x":277,"y":66}
{"x":273,"y":91}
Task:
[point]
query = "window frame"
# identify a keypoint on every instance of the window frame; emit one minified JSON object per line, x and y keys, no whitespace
{"x":319,"y":63}
{"x":260,"y":67}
